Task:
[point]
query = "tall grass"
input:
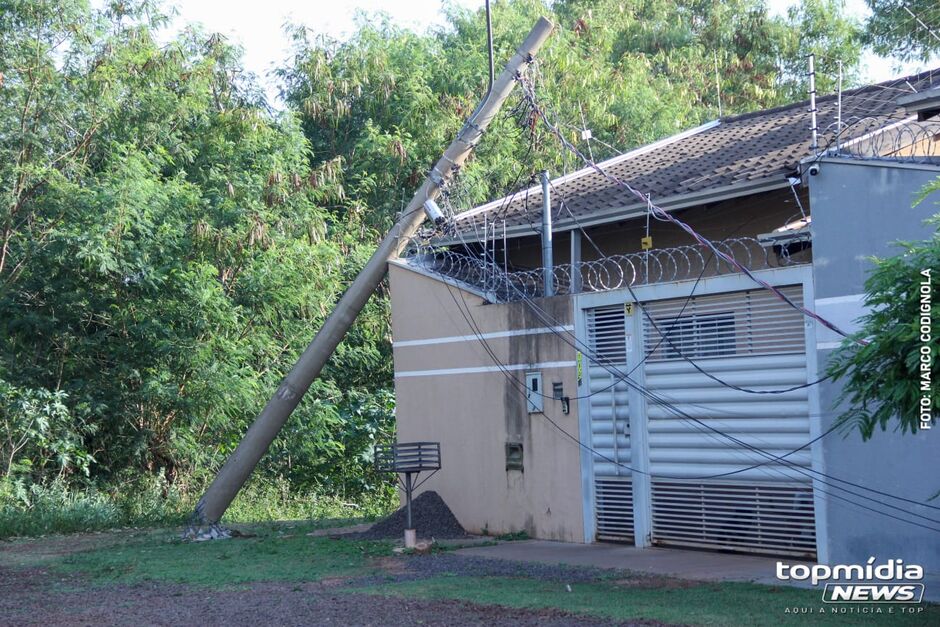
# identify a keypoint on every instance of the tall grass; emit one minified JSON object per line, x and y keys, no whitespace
{"x":34,"y":510}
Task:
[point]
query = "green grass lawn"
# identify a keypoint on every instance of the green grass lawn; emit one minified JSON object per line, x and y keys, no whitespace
{"x":297,"y":558}
{"x":276,"y":553}
{"x":285,"y":553}
{"x":704,"y":604}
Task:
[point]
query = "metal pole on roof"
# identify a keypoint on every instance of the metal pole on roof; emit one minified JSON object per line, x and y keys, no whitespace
{"x":575,"y":261}
{"x":493,"y":257}
{"x":505,"y":251}
{"x":812,"y":99}
{"x":547,"y":261}
{"x":717,"y":83}
{"x":484,"y":253}
{"x":269,"y":422}
{"x":839,"y":112}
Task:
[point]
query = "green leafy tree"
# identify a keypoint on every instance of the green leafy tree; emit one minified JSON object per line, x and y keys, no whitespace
{"x":169,"y":244}
{"x":907,"y":29}
{"x":760,"y":59}
{"x":38,"y":435}
{"x":167,"y":248}
{"x":385,"y":101}
{"x":881,"y":364}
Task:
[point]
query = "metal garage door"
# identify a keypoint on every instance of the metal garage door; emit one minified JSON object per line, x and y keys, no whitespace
{"x":610,"y":423}
{"x":708,"y":489}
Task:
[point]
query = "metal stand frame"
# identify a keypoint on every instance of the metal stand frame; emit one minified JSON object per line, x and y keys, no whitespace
{"x":409,"y":459}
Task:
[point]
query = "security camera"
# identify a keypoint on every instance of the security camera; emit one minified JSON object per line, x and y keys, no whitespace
{"x":813,"y":169}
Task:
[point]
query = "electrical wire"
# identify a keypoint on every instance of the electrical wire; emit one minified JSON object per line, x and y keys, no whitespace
{"x":663,"y":402}
{"x":665,"y":336}
{"x":670,"y":407}
{"x":521,"y":386}
{"x":660,"y":401}
{"x":682,"y":414}
{"x":663,"y":215}
{"x":770,"y":457}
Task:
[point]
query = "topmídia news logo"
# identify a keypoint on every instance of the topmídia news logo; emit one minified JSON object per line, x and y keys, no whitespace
{"x":890,"y":582}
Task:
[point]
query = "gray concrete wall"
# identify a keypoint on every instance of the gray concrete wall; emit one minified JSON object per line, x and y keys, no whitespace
{"x":859,"y":209}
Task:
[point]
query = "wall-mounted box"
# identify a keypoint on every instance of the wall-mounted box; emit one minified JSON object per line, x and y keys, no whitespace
{"x":514,"y":459}
{"x":533,"y":392}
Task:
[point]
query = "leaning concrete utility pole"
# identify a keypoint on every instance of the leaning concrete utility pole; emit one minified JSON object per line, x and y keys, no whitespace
{"x":269,"y":422}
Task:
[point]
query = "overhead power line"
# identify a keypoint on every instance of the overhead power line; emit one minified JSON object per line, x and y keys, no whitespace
{"x":664,"y":336}
{"x":660,"y":401}
{"x":770,"y":458}
{"x":662,"y":215}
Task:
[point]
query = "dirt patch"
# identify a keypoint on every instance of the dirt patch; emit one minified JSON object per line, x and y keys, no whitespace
{"x":430,"y":516}
{"x":35,"y":597}
{"x":393,"y":565}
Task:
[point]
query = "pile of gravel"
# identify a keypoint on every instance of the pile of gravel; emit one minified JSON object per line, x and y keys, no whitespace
{"x":430,"y":516}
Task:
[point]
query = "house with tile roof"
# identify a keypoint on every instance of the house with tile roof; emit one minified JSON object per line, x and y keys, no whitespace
{"x":594,"y":373}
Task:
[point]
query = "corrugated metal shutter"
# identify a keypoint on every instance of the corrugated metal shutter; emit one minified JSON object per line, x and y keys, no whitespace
{"x":752,"y":340}
{"x":613,"y":501}
{"x":752,"y":516}
{"x":610,"y":424}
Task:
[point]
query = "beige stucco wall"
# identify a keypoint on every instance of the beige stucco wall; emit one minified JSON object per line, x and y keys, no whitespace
{"x":475,"y":414}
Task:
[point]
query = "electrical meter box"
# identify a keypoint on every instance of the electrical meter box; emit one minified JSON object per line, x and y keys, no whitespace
{"x":533,"y":391}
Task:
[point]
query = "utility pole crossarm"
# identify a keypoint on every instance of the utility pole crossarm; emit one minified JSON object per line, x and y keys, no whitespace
{"x":269,"y":422}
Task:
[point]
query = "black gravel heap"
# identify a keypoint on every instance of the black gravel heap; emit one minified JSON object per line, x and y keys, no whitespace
{"x":430,"y":516}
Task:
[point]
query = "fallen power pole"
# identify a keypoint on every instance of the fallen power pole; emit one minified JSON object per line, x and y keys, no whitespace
{"x":269,"y":422}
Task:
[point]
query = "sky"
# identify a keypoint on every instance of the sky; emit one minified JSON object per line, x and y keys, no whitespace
{"x":257,"y":25}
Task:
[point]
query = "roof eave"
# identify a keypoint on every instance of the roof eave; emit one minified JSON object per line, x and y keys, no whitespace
{"x":628,"y":212}
{"x":636,"y":152}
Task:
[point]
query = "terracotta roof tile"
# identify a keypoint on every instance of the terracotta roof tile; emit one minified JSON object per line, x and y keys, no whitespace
{"x":761,"y":145}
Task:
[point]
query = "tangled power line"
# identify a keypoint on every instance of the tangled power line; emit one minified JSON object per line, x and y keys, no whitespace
{"x":484,"y":270}
{"x":658,"y":213}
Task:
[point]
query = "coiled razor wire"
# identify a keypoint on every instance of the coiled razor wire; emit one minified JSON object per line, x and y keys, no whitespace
{"x":876,"y":138}
{"x":599,"y":275}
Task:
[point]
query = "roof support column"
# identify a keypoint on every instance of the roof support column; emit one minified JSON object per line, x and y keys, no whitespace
{"x":575,"y":261}
{"x":548,"y":264}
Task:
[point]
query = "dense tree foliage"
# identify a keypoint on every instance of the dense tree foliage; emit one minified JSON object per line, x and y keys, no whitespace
{"x":908,"y":29}
{"x":169,"y":244}
{"x":387,"y":100}
{"x":167,"y":250}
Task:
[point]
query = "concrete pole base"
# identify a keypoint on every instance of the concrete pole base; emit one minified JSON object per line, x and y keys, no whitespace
{"x":197,"y":533}
{"x":411,"y":538}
